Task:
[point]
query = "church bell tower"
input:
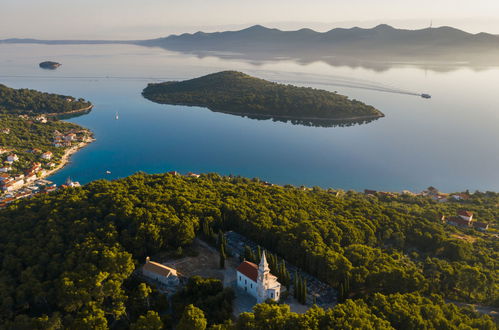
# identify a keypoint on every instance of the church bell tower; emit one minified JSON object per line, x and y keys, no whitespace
{"x":263,"y":279}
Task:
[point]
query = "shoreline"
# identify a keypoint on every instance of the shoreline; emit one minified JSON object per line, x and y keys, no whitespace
{"x":55,"y":114}
{"x":67,"y":156}
{"x":284,"y":117}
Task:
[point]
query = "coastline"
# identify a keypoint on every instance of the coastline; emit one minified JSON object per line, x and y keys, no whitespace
{"x":269,"y":116}
{"x":67,"y":156}
{"x":54,"y":114}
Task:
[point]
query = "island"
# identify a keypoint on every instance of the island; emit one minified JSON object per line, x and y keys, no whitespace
{"x":50,"y":65}
{"x":237,"y":93}
{"x":34,"y":143}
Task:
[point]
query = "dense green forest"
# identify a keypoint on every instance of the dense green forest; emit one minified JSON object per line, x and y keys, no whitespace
{"x":238,"y":93}
{"x":67,"y":257}
{"x":31,"y":102}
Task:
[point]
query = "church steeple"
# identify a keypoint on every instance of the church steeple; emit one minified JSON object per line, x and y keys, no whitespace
{"x":264,"y":266}
{"x":262,"y":281}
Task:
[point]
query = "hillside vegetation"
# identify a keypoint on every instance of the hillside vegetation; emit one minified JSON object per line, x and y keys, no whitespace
{"x":67,"y":257}
{"x":31,"y":102}
{"x":237,"y":93}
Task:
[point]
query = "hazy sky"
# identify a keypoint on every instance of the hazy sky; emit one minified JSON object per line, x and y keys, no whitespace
{"x":134,"y":19}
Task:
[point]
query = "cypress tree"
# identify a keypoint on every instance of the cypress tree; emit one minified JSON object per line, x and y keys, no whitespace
{"x":304,"y":291}
{"x":222,"y":257}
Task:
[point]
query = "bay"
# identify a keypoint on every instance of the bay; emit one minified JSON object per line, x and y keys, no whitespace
{"x":450,"y":141}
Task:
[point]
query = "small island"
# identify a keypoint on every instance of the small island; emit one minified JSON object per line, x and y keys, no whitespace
{"x":50,"y":65}
{"x":237,"y":93}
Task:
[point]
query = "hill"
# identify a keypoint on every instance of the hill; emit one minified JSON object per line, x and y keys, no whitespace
{"x":31,"y":102}
{"x":382,"y":41}
{"x":237,"y":93}
{"x":68,"y":257}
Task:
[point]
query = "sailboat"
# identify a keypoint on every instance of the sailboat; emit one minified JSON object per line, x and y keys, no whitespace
{"x":117,"y":116}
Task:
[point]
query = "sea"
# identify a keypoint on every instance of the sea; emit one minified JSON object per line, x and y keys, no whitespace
{"x":450,"y":141}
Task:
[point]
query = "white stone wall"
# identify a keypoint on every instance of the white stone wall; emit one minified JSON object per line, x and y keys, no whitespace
{"x":246,"y":284}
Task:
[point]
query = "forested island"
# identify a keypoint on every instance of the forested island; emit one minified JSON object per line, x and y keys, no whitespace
{"x":68,"y":257}
{"x":240,"y":94}
{"x":49,"y":65}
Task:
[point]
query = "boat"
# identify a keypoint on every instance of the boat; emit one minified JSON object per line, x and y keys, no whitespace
{"x":426,"y":96}
{"x":108,"y":172}
{"x":117,"y":116}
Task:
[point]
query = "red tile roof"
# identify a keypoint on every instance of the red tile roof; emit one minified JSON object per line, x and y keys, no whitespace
{"x":249,"y":270}
{"x":465,"y":213}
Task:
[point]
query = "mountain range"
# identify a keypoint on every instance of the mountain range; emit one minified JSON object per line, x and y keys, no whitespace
{"x":381,"y":43}
{"x":379,"y":40}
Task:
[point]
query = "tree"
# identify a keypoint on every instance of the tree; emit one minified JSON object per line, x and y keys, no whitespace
{"x":222,"y":257}
{"x":192,"y":319}
{"x":150,"y":321}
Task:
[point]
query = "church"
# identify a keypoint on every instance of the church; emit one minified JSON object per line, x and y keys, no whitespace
{"x":257,"y":280}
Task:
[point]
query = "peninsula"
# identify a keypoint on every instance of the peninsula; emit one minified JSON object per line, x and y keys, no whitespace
{"x":240,"y":94}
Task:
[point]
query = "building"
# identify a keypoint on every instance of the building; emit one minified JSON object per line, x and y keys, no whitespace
{"x":161,"y":273}
{"x":12,"y":158}
{"x":257,"y":280}
{"x":5,"y":169}
{"x":465,"y":215}
{"x":47,"y":155}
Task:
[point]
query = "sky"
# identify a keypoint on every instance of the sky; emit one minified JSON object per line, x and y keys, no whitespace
{"x":134,"y":19}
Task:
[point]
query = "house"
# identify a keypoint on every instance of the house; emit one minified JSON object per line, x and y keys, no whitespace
{"x":5,"y":169}
{"x":193,"y":175}
{"x":47,"y":155}
{"x":161,"y":273}
{"x":41,"y":119}
{"x":12,"y":185}
{"x":70,"y":137}
{"x":465,"y":215}
{"x":174,"y":173}
{"x":5,"y":130}
{"x":257,"y":280}
{"x":482,"y":226}
{"x":3,"y":150}
{"x":458,"y":221}
{"x":12,"y":158}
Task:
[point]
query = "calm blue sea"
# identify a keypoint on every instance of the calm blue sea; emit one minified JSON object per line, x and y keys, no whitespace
{"x":450,"y":141}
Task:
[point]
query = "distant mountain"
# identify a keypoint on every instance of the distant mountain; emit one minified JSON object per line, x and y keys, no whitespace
{"x":375,"y":48}
{"x":379,"y":41}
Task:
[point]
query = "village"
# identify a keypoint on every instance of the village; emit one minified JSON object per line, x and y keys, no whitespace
{"x":21,"y":178}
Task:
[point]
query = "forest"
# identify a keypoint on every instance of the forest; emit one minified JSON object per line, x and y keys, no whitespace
{"x":31,"y":102}
{"x":67,"y":257}
{"x":237,"y":93}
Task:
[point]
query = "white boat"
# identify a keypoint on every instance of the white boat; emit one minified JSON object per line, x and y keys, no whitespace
{"x":108,"y":172}
{"x":117,"y":116}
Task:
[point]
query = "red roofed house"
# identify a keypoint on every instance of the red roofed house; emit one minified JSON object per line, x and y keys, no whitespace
{"x":47,"y":155}
{"x":161,"y":273}
{"x":466,"y":215}
{"x":257,"y":280}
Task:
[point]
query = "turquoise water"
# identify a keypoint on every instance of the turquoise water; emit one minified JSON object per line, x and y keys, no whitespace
{"x":450,"y":141}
